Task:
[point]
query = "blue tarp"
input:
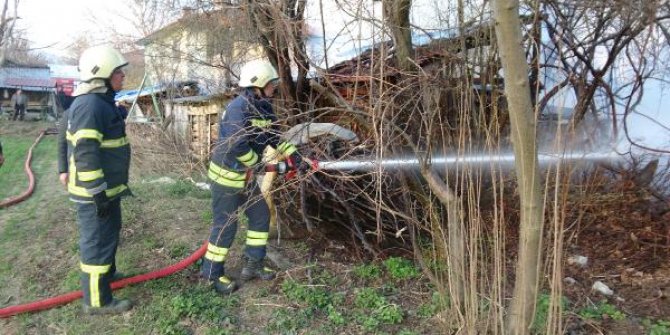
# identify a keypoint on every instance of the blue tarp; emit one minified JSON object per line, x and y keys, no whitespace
{"x":131,"y":95}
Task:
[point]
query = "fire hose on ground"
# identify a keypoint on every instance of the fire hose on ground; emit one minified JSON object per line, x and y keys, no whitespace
{"x":69,"y":297}
{"x":31,"y":177}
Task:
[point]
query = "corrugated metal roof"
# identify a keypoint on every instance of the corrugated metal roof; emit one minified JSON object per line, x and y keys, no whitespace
{"x":20,"y":82}
{"x":26,"y":78}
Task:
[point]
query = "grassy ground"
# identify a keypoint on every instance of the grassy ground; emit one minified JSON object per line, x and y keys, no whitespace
{"x":316,"y":292}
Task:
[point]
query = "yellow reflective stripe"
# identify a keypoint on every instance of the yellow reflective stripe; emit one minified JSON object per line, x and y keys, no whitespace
{"x":84,"y":133}
{"x":95,"y":269}
{"x":93,"y":285}
{"x":216,"y":254}
{"x":257,"y":234}
{"x":94,"y":272}
{"x":225,"y":181}
{"x":215,"y":257}
{"x":115,"y":143}
{"x":257,"y":238}
{"x":261,"y":123}
{"x":232,"y":175}
{"x":115,"y":190}
{"x":226,"y":177}
{"x":82,"y":192}
{"x":72,"y":182}
{"x":254,"y":242}
{"x":217,"y":250}
{"x":286,"y":148}
{"x":248,"y":159}
{"x":90,"y":175}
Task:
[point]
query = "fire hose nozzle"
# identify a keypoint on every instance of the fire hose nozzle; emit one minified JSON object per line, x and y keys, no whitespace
{"x":279,"y":168}
{"x":283,"y":167}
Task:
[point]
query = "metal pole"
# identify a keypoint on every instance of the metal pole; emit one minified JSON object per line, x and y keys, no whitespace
{"x":132,"y":107}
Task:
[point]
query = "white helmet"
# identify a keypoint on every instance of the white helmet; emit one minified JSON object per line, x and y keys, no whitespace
{"x":257,"y":73}
{"x":99,"y":62}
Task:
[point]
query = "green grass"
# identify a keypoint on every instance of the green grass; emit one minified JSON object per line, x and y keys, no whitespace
{"x":542,"y":311}
{"x":601,"y":309}
{"x":658,"y":327}
{"x":401,"y":268}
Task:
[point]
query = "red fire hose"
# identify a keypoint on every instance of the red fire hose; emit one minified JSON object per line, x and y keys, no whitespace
{"x":31,"y":178}
{"x":68,"y":297}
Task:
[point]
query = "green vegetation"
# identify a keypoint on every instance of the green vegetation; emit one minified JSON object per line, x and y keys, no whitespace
{"x":600,"y":310}
{"x":370,"y":311}
{"x":401,"y":268}
{"x":436,"y":304}
{"x":367,"y":271}
{"x":658,"y":327}
{"x":542,"y":311}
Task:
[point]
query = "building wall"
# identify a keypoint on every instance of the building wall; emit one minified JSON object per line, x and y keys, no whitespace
{"x":200,"y":51}
{"x":183,"y":56}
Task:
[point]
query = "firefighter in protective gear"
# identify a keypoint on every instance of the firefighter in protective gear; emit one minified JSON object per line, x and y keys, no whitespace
{"x":94,"y":159}
{"x":247,"y":126}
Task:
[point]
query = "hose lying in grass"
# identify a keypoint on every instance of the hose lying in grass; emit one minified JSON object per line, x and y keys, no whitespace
{"x":31,"y":177}
{"x":69,"y":297}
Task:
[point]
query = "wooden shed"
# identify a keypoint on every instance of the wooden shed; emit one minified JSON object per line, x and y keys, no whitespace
{"x":35,"y":81}
{"x":196,"y":119}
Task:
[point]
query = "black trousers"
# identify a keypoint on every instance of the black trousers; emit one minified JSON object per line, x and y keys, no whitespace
{"x":19,"y":111}
{"x":98,"y":241}
{"x":227,"y":203}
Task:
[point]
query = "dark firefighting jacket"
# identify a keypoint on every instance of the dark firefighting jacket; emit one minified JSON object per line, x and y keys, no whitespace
{"x":247,"y":126}
{"x":98,"y":152}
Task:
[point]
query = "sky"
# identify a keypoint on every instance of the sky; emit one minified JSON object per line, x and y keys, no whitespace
{"x":55,"y":24}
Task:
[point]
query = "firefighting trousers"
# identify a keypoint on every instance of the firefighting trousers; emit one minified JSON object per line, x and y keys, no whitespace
{"x":227,"y":203}
{"x":98,"y":241}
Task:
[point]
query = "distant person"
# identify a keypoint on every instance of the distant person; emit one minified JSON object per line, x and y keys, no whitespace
{"x":96,"y":170}
{"x":63,"y":99}
{"x":18,"y":102}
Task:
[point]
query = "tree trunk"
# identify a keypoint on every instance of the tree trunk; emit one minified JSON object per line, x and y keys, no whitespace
{"x":517,"y":89}
{"x":397,"y":17}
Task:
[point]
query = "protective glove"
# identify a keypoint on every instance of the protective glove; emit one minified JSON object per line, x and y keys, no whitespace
{"x":295,"y":162}
{"x":102,"y":204}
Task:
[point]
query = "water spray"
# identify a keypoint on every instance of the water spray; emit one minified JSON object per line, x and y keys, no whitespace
{"x":503,"y":161}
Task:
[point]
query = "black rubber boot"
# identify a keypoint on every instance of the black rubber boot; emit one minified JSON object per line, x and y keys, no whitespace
{"x":254,"y":268}
{"x":114,"y":307}
{"x":224,"y":285}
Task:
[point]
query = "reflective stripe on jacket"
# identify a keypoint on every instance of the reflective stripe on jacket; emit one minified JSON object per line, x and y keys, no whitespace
{"x":98,"y":152}
{"x":246,"y":127}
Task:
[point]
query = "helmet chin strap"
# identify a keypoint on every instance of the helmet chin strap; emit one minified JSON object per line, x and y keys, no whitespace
{"x":108,"y":84}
